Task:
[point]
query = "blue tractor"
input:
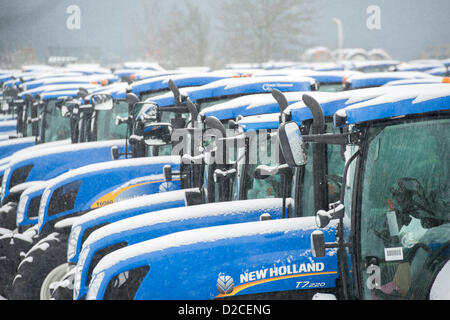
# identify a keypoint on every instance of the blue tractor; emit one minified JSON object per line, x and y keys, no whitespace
{"x":384,"y":237}
{"x":114,"y":174}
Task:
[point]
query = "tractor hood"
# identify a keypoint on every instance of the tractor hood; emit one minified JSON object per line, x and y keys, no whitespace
{"x":156,"y":224}
{"x":8,"y":147}
{"x":89,"y":222}
{"x":7,"y":126}
{"x":28,"y":206}
{"x":98,"y":185}
{"x":47,"y":163}
{"x":224,"y":261}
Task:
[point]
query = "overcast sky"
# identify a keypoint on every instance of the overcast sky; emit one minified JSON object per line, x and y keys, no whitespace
{"x":407,"y":27}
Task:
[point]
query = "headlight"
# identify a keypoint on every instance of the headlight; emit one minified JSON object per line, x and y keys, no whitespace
{"x":95,"y":286}
{"x":78,"y":270}
{"x":73,"y":241}
{"x":21,"y":209}
{"x":42,"y":207}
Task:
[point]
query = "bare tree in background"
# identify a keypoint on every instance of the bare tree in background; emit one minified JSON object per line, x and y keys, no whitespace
{"x":186,"y":33}
{"x":262,"y":30}
{"x":174,"y":34}
{"x":146,"y":28}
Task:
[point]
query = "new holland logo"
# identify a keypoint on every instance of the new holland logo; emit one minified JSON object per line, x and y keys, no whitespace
{"x":225,"y":284}
{"x":270,"y":86}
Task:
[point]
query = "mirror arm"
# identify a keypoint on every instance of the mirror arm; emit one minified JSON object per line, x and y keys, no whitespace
{"x":341,"y":139}
{"x":220,"y":175}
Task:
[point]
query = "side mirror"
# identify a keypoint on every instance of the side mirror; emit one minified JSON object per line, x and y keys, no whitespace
{"x":318,"y":244}
{"x":147,"y":110}
{"x":220,"y":175}
{"x":115,"y":152}
{"x":214,"y":123}
{"x":192,"y":109}
{"x":157,"y":134}
{"x":262,"y":171}
{"x":102,"y":102}
{"x":292,"y":144}
{"x":281,"y":99}
{"x":323,"y":217}
{"x":177,"y":96}
{"x":167,"y":173}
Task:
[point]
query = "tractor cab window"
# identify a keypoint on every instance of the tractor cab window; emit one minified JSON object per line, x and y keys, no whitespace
{"x":106,"y":122}
{"x":331,"y":87}
{"x":32,"y":117}
{"x":265,"y":153}
{"x":152,"y":94}
{"x":56,"y":126}
{"x":212,"y":102}
{"x":240,"y":154}
{"x":405,"y":215}
{"x":336,"y":166}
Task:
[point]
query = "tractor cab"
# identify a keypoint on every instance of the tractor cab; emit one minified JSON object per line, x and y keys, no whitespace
{"x":392,"y":216}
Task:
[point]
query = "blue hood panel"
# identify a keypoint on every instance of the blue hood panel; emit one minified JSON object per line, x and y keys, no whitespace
{"x":156,"y":224}
{"x":126,"y":209}
{"x":8,"y":147}
{"x":102,"y":183}
{"x":48,"y":163}
{"x":246,"y":258}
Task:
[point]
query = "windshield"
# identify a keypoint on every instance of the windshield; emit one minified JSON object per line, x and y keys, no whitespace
{"x":152,"y":94}
{"x":56,"y":126}
{"x":331,"y":87}
{"x":106,"y":122}
{"x":405,"y":215}
{"x":211,"y":102}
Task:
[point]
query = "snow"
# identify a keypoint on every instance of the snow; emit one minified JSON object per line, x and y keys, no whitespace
{"x":210,"y":234}
{"x":253,"y":101}
{"x":65,"y":223}
{"x":418,"y":92}
{"x":132,"y":203}
{"x":125,"y":163}
{"x":184,"y":213}
{"x":40,"y":187}
{"x":15,"y":141}
{"x":263,"y":79}
{"x":395,"y":75}
{"x":26,"y":260}
{"x":60,"y":147}
{"x":324,"y":296}
{"x":261,"y":118}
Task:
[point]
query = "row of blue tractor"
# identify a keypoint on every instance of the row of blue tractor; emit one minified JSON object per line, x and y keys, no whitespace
{"x":228,"y":184}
